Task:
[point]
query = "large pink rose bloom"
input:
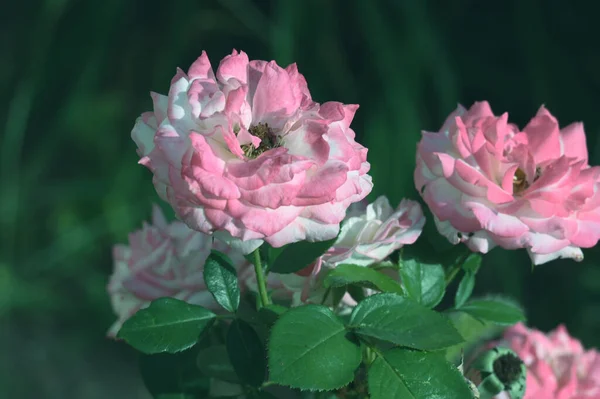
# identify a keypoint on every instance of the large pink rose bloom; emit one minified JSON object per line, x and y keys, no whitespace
{"x":162,"y":260}
{"x":248,"y":154}
{"x":488,"y":184}
{"x":558,"y":367}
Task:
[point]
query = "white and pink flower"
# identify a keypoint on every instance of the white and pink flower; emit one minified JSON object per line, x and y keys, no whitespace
{"x":162,"y":260}
{"x":248,"y":154}
{"x":369,"y":234}
{"x":490,"y":184}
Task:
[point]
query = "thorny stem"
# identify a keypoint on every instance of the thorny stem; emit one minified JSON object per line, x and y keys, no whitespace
{"x":260,"y":279}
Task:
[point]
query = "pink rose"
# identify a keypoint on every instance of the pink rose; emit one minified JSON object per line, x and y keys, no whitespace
{"x":369,"y":234}
{"x":162,"y":260}
{"x":246,"y":153}
{"x":488,"y":184}
{"x":557,"y":365}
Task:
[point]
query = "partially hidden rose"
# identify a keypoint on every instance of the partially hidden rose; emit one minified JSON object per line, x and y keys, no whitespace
{"x":558,"y":367}
{"x":369,"y":234}
{"x":162,"y":260}
{"x":490,"y":184}
{"x":246,"y":153}
{"x":293,"y":289}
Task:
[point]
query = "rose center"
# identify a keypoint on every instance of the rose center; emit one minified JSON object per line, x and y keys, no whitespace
{"x":268,"y":140}
{"x":508,"y":368}
{"x":520,"y":182}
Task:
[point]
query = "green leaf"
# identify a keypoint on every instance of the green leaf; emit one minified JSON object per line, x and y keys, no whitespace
{"x":465,"y":289}
{"x":347,"y":274}
{"x":425,"y":283}
{"x":356,"y":292}
{"x":271,"y":254}
{"x":467,"y":283}
{"x":270,"y":313}
{"x":167,"y":325}
{"x":299,"y":255}
{"x":337,"y":294}
{"x":246,"y":353}
{"x":498,"y":310}
{"x":268,"y":254}
{"x":225,"y":390}
{"x":474,"y":331}
{"x":472,"y":263}
{"x":221,"y":280}
{"x":173,"y":375}
{"x":214,"y":362}
{"x":407,"y":374}
{"x":386,"y":264}
{"x":401,"y":320}
{"x":309,"y":349}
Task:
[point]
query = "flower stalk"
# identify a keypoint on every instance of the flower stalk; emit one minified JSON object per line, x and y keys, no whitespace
{"x":260,"y":279}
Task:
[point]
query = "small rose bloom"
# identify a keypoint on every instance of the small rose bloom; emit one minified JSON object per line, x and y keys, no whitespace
{"x":248,"y":154}
{"x":558,"y":367}
{"x":162,"y":260}
{"x":489,"y":183}
{"x":369,"y":234}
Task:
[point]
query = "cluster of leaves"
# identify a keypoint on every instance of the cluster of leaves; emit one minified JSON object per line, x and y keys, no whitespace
{"x":392,"y":344}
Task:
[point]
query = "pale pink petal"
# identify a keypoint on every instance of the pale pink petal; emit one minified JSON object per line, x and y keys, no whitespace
{"x":234,"y":66}
{"x":543,"y":136}
{"x":366,"y":238}
{"x":573,"y":143}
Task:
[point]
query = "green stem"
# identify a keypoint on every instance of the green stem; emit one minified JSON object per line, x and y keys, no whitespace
{"x":260,"y":279}
{"x":370,"y":355}
{"x":325,"y":295}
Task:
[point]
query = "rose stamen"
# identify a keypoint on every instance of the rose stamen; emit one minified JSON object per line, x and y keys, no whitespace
{"x":520,"y":182}
{"x":268,"y":140}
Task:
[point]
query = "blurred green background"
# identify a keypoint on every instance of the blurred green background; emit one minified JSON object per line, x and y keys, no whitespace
{"x":75,"y":74}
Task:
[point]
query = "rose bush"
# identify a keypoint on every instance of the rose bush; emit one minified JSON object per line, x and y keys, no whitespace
{"x":489,"y":183}
{"x":248,"y":154}
{"x":162,"y":260}
{"x":558,"y":366}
